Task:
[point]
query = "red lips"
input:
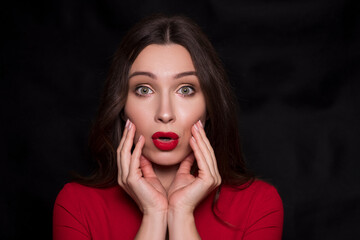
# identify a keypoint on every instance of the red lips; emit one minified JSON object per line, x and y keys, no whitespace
{"x":165,"y":141}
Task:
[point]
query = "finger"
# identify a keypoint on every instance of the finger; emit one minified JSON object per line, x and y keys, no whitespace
{"x":135,"y":158}
{"x":125,"y":153}
{"x":118,"y":150}
{"x":146,"y":167}
{"x":126,"y":130}
{"x":128,"y":139}
{"x":186,"y":164}
{"x":211,"y":150}
{"x":204,"y":149}
{"x":200,"y":159}
{"x":118,"y":153}
{"x":204,"y":137}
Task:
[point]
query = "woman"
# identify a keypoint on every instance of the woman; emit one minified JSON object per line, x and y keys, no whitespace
{"x":167,"y":148}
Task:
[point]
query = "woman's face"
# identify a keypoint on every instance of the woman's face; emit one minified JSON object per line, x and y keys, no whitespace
{"x":164,"y":98}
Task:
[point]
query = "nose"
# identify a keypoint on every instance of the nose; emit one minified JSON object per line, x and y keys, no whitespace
{"x":165,"y":110}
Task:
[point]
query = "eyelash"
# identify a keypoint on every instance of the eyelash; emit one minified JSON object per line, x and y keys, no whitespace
{"x":192,"y":91}
{"x":139,"y":88}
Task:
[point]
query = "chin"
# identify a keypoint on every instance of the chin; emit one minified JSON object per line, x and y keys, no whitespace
{"x":166,"y":158}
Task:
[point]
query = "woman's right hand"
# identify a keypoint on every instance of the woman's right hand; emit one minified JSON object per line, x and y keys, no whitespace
{"x":136,"y":174}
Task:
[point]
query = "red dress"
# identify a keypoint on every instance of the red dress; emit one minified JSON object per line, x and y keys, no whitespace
{"x":82,"y":212}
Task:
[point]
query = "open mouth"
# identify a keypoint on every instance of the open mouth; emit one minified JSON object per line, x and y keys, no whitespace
{"x":165,"y":141}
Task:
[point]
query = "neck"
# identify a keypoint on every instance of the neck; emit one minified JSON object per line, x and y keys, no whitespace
{"x":166,"y":174}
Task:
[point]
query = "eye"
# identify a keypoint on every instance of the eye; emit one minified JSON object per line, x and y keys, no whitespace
{"x":143,"y":90}
{"x":186,"y":90}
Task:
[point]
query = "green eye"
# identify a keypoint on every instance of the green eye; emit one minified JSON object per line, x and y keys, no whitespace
{"x":143,"y":90}
{"x":186,"y":90}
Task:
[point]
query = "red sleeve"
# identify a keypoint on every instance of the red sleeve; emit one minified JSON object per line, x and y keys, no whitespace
{"x":266,"y":219}
{"x":68,"y":222}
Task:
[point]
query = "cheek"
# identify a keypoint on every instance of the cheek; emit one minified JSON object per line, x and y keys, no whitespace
{"x":139,"y":116}
{"x":191,"y":113}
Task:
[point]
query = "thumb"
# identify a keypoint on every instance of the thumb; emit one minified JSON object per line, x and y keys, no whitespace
{"x":186,"y":164}
{"x":146,"y":167}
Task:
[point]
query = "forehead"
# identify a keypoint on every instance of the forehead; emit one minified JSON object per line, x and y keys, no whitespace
{"x":169,"y":58}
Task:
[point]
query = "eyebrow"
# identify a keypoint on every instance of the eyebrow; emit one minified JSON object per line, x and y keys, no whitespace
{"x":184,"y":74}
{"x":153,"y":76}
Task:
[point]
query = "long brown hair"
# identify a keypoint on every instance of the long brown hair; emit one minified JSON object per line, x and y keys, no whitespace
{"x":221,"y":126}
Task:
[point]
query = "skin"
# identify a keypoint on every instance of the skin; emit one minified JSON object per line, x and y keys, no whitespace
{"x":165,"y":95}
{"x":164,"y":107}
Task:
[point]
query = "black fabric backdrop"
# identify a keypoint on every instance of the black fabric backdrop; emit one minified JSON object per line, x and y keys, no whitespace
{"x":294,"y":66}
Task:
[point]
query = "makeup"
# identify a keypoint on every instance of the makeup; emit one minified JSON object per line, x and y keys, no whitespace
{"x":164,"y":95}
{"x":165,"y":141}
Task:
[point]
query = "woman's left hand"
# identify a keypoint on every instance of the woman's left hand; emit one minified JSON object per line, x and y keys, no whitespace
{"x":187,"y":191}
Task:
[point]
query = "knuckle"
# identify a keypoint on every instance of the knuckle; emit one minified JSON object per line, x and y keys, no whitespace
{"x":119,"y":180}
{"x":209,"y":182}
{"x":218,"y":182}
{"x":215,"y":183}
{"x":118,"y":150}
{"x":129,"y":180}
{"x":122,"y":152}
{"x":124,"y":180}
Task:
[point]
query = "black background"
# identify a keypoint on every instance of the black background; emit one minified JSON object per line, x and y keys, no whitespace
{"x":294,"y":66}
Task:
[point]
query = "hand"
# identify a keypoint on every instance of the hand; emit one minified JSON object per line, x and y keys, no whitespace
{"x":187,"y":191}
{"x":136,"y":175}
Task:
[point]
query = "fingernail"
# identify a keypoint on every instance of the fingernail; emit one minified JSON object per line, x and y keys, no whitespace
{"x":196,"y":127}
{"x":140,"y":138}
{"x":193,"y":139}
{"x":127,"y":123}
{"x":200,"y":123}
{"x":130,"y":125}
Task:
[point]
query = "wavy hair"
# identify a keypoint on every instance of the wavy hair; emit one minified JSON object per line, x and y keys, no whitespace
{"x":221,"y":126}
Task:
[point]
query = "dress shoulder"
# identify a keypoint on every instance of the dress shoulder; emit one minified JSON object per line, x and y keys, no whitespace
{"x":252,"y":209}
{"x":68,"y":218}
{"x":70,"y":192}
{"x":82,"y":212}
